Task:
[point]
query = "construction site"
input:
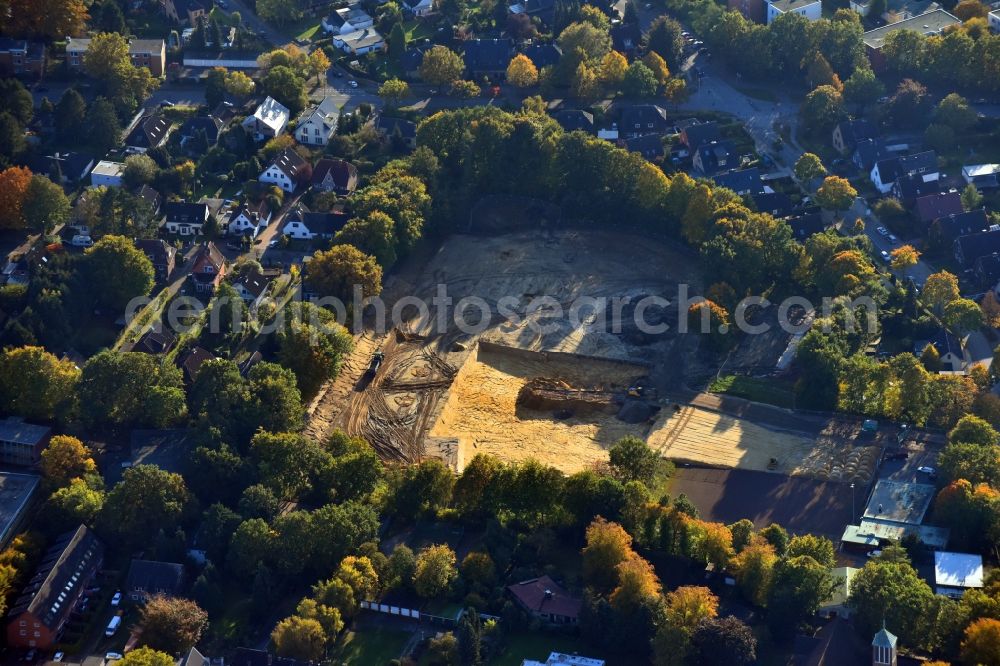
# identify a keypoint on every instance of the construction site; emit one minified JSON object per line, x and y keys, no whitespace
{"x":549,"y":384}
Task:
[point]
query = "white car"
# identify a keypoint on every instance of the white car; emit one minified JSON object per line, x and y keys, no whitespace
{"x":882,"y":230}
{"x":875,"y":553}
{"x":892,"y":239}
{"x":927,"y":470}
{"x":885,"y":256}
{"x":117,"y":599}
{"x":58,"y":656}
{"x":113,"y":656}
{"x":352,"y":83}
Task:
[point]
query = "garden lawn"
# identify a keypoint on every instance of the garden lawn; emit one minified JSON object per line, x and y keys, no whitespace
{"x":538,"y":645}
{"x":754,"y":388}
{"x":417,"y":30}
{"x":370,"y":647}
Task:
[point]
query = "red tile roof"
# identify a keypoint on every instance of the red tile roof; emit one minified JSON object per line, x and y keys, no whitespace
{"x":544,"y":595}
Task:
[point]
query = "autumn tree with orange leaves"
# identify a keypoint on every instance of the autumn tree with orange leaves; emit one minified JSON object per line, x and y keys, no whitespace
{"x":13,"y":189}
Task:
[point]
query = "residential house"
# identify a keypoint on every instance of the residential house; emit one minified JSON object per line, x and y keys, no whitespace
{"x":185,"y":218}
{"x":208,"y":269}
{"x":641,"y":119}
{"x":488,"y":57}
{"x":200,"y":133}
{"x":304,"y":225}
{"x":811,"y":9}
{"x":885,"y":172}
{"x":970,"y":247}
{"x":948,"y":347}
{"x":229,"y":59}
{"x":572,"y":120}
{"x":626,"y":38}
{"x":931,"y":23}
{"x":543,"y":9}
{"x":994,"y":21}
{"x":983,"y":176}
{"x":161,"y":254}
{"x":317,"y":124}
{"x":418,"y":8}
{"x":346,"y":20}
{"x":908,"y":188}
{"x":107,"y":174}
{"x":150,"y":197}
{"x":806,"y":224}
{"x":649,"y":146}
{"x":933,"y":206}
{"x":954,"y":573}
{"x":148,"y":132}
{"x":563,"y":659}
{"x":22,"y":443}
{"x":714,"y":156}
{"x":268,"y":120}
{"x":149,"y":53}
{"x":287,"y":170}
{"x":776,"y":204}
{"x":742,"y":182}
{"x":397,"y":129}
{"x":185,"y":12}
{"x":987,"y":270}
{"x":225,"y":113}
{"x":543,"y":55}
{"x":360,"y":42}
{"x":694,"y":133}
{"x":848,"y":132}
{"x":190,"y":362}
{"x":70,"y":167}
{"x":149,"y":578}
{"x":334,"y":175}
{"x":253,"y":287}
{"x":195,"y":658}
{"x":949,"y":227}
{"x":19,"y":57}
{"x":836,"y":605}
{"x":37,"y":618}
{"x":412,"y":58}
{"x":156,"y":342}
{"x":546,"y":600}
{"x":753,"y":10}
{"x":867,"y":153}
{"x":249,"y":219}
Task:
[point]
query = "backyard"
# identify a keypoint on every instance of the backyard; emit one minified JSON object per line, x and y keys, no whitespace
{"x":374,"y":645}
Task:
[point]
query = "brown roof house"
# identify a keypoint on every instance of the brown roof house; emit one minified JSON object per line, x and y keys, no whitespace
{"x":190,"y":362}
{"x":547,"y":600}
{"x":209,"y":268}
{"x":38,"y":617}
{"x":331,"y":175}
{"x":161,"y":254}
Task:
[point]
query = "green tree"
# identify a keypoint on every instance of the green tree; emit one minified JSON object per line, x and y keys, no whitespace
{"x":117,"y":272}
{"x":799,"y":585}
{"x":725,"y":640}
{"x":103,"y":128}
{"x":862,"y":88}
{"x":374,"y":234}
{"x":45,"y":205}
{"x":397,"y":42}
{"x":146,"y":500}
{"x":172,"y":624}
{"x":393,"y":91}
{"x":954,"y":112}
{"x":126,"y":388}
{"x":836,"y":194}
{"x":336,"y":271}
{"x":963,"y":315}
{"x":423,"y":488}
{"x":633,"y":460}
{"x":521,"y":72}
{"x":312,"y":345}
{"x":287,"y":463}
{"x":971,"y":198}
{"x":665,"y":39}
{"x":64,"y":459}
{"x":12,"y":142}
{"x":36,"y":384}
{"x":441,"y":66}
{"x":79,"y":502}
{"x":299,"y":638}
{"x":584,"y":43}
{"x":140,"y":170}
{"x":809,"y":167}
{"x":435,"y":571}
{"x":16,"y":100}
{"x":974,"y":430}
{"x":818,"y":548}
{"x":893,"y":593}
{"x":69,"y":116}
{"x":287,"y":87}
{"x":939,"y":290}
{"x":215,"y":86}
{"x":279,"y":12}
{"x":823,"y":108}
{"x":639,"y":81}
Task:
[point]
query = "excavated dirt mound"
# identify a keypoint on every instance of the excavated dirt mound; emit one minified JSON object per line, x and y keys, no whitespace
{"x":544,"y":393}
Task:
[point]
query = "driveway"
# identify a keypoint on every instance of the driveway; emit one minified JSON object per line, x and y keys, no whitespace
{"x":250,"y":19}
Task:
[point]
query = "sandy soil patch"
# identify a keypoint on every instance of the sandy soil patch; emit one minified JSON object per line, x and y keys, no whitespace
{"x":481,"y":411}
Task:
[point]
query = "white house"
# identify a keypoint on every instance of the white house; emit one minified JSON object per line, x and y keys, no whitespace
{"x":346,"y":20}
{"x":268,"y":120}
{"x":418,"y":7}
{"x":954,"y":573}
{"x":360,"y":42}
{"x":885,"y":172}
{"x":317,"y":124}
{"x":286,"y":170}
{"x":185,"y":218}
{"x":994,"y":18}
{"x":107,"y":173}
{"x":811,"y":9}
{"x":303,"y":225}
{"x":250,"y":219}
{"x":837,"y":605}
{"x":983,"y":176}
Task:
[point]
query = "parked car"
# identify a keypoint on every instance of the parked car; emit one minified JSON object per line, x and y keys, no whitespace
{"x":113,"y":656}
{"x":874,"y":553}
{"x":352,"y":83}
{"x":882,"y":231}
{"x":166,"y":104}
{"x":885,"y":256}
{"x":58,"y":656}
{"x":892,"y":239}
{"x":81,"y":241}
{"x":113,"y":625}
{"x":117,"y":599}
{"x":926,"y":470}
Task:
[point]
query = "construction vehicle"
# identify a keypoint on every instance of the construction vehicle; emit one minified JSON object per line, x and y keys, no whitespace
{"x":374,"y":364}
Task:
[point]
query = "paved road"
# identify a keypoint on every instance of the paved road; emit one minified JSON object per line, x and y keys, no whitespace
{"x":250,"y":20}
{"x":184,"y":95}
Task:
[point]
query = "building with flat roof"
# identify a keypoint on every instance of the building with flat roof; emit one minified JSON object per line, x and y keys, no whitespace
{"x":931,"y":23}
{"x":899,"y":502}
{"x":16,"y":491}
{"x":954,"y":573}
{"x":22,"y":443}
{"x":561,"y":659}
{"x":811,"y":9}
{"x":107,"y":173}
